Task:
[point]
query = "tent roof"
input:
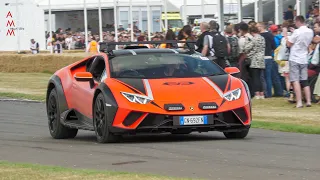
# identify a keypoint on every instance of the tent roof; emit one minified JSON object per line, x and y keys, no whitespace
{"x":172,"y":5}
{"x":93,"y":4}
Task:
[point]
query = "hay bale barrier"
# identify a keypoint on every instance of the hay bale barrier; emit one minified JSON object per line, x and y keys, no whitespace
{"x":43,"y":52}
{"x":40,"y":63}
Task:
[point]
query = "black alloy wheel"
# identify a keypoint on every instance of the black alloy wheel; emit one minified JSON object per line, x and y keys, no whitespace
{"x":52,"y":113}
{"x":236,"y":135}
{"x":57,"y":130}
{"x":100,"y":121}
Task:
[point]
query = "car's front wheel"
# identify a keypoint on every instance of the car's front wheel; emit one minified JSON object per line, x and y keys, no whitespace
{"x":57,"y":130}
{"x":100,"y":121}
{"x":236,"y":135}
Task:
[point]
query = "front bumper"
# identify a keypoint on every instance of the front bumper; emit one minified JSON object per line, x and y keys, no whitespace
{"x":140,"y":122}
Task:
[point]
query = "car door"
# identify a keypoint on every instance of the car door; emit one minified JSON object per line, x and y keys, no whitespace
{"x":83,"y":92}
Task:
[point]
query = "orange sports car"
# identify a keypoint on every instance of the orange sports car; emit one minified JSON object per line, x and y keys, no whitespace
{"x":133,"y":91}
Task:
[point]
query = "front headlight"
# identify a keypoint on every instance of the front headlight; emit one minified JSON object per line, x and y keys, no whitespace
{"x":233,"y":95}
{"x":136,"y":98}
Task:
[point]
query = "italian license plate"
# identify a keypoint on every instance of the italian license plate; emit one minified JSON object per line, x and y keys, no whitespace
{"x":193,"y":120}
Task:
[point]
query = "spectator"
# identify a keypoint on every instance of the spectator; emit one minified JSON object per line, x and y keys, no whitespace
{"x":284,"y":65}
{"x":93,"y":46}
{"x":217,"y":52}
{"x":274,"y":29}
{"x":317,"y":88}
{"x":289,"y":13}
{"x":257,"y":63}
{"x":185,"y":34}
{"x":120,"y":28}
{"x":234,"y":45}
{"x":169,"y":37}
{"x":57,"y":47}
{"x":299,"y":43}
{"x":271,"y":74}
{"x":69,"y":41}
{"x":316,"y":30}
{"x":34,"y":47}
{"x":205,"y":30}
{"x":252,"y":23}
{"x":314,"y":17}
{"x":246,"y":52}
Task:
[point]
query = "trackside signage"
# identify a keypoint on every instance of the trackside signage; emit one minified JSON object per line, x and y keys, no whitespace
{"x":11,"y":25}
{"x":21,"y":19}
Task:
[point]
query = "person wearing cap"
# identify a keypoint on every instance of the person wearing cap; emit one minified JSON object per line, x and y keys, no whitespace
{"x":277,"y":36}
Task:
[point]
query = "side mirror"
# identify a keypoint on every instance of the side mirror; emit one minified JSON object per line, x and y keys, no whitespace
{"x":232,"y":70}
{"x":84,"y":77}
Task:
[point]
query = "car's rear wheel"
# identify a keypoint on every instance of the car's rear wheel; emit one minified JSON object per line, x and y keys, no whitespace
{"x":57,"y":130}
{"x":100,"y":121}
{"x":236,"y":135}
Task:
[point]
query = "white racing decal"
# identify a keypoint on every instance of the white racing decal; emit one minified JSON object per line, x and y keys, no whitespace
{"x":204,"y":58}
{"x":133,"y":53}
{"x":214,"y":86}
{"x":174,"y":51}
{"x":148,"y":88}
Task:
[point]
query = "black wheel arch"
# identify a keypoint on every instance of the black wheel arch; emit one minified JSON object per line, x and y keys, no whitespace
{"x":109,"y":99}
{"x":55,"y":83}
{"x":248,"y":94}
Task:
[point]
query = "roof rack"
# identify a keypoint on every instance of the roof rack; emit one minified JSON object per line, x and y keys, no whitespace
{"x":108,"y":47}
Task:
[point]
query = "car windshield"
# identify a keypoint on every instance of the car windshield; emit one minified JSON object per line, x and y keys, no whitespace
{"x":161,"y":65}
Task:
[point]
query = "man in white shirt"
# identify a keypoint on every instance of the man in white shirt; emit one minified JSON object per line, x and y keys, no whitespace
{"x":34,"y":47}
{"x":299,"y":42}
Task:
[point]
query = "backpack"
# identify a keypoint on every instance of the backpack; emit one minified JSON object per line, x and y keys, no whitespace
{"x":220,"y":45}
{"x":234,"y":47}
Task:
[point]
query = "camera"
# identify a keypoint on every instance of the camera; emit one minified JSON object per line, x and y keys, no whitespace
{"x":6,"y":4}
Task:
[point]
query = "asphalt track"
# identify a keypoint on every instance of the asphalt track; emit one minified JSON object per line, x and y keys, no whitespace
{"x":24,"y":137}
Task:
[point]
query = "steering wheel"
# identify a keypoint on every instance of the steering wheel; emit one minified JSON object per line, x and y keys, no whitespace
{"x":130,"y":72}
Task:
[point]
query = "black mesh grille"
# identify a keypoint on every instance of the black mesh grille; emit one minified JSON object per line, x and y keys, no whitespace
{"x":242,"y":114}
{"x":155,"y":120}
{"x":227,"y":117}
{"x":131,"y":118}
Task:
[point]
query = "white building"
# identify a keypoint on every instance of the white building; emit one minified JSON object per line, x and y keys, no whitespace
{"x":70,"y":14}
{"x":22,"y":22}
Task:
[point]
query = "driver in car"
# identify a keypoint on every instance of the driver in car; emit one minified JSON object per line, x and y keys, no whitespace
{"x":173,"y":68}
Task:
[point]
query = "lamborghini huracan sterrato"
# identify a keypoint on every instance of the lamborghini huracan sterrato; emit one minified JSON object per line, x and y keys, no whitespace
{"x":134,"y":91}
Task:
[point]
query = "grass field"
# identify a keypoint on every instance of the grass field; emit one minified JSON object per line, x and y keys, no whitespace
{"x":14,"y":171}
{"x":274,"y":114}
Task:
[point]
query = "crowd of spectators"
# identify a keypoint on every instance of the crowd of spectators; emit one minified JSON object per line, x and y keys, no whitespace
{"x":252,"y":47}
